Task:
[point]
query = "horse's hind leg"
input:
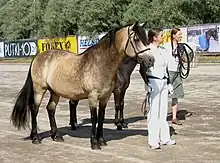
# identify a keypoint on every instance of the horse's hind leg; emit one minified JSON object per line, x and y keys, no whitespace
{"x":51,"y":108}
{"x":73,"y":119}
{"x":38,"y":96}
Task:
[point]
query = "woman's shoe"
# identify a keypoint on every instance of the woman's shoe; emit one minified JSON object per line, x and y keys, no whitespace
{"x":170,"y":142}
{"x":176,"y":122}
{"x":155,"y":147}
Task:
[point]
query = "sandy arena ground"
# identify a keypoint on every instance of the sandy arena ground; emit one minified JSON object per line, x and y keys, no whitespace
{"x":198,"y":139}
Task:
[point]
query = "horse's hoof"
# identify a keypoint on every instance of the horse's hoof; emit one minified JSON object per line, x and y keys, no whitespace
{"x":102,"y":142}
{"x":58,"y":139}
{"x":76,"y":125}
{"x":36,"y":140}
{"x":125,"y":125}
{"x":73,"y":128}
{"x":95,"y":147}
{"x":119,"y":127}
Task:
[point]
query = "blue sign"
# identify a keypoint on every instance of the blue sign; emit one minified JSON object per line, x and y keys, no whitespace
{"x":85,"y":43}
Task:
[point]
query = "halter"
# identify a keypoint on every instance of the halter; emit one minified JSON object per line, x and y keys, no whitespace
{"x":136,"y":53}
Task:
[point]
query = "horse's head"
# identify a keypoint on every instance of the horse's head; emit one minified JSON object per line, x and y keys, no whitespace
{"x":212,"y":33}
{"x":135,"y":44}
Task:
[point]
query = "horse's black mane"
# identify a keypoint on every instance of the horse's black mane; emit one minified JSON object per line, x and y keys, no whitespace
{"x":139,"y":31}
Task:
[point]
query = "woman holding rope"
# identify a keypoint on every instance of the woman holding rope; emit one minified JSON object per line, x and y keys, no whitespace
{"x":174,"y":69}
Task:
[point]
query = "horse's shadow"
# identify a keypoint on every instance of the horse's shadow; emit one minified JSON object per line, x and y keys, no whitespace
{"x":85,"y":132}
{"x":109,"y":134}
{"x":112,"y":121}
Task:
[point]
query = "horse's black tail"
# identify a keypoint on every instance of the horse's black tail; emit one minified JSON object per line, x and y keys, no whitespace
{"x":21,"y":112}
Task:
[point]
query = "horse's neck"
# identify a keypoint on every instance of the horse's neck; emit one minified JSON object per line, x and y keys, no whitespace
{"x":103,"y":57}
{"x":127,"y":66}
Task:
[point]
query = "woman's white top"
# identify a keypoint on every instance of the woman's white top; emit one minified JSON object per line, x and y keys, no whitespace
{"x":173,"y":62}
{"x":159,"y":70}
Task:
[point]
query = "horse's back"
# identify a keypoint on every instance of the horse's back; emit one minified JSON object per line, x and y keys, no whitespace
{"x":58,"y":70}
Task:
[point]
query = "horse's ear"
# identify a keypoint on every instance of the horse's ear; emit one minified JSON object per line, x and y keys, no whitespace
{"x":144,"y":24}
{"x":134,"y":26}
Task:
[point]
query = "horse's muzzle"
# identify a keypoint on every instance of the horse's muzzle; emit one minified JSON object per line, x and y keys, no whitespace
{"x":148,"y":63}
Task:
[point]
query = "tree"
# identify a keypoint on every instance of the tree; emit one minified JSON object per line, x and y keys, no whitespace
{"x":41,"y":18}
{"x":157,"y":13}
{"x":99,"y":16}
{"x":201,"y":11}
{"x":13,"y":25}
{"x":35,"y":18}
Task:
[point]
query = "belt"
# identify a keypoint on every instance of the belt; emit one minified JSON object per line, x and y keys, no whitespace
{"x":154,"y":77}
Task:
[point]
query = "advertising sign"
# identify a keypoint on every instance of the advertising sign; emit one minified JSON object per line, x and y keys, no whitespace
{"x":20,"y":48}
{"x":85,"y":42}
{"x":204,"y":37}
{"x":1,"y":49}
{"x":65,"y":43}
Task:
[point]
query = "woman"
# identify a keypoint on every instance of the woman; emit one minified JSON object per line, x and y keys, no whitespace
{"x":174,"y":72}
{"x":158,"y":128}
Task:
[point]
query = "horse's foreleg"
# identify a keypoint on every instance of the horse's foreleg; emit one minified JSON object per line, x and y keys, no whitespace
{"x":93,"y":98}
{"x":73,"y":119}
{"x":121,"y":119}
{"x":38,"y":96}
{"x":51,"y":108}
{"x":117,"y":108}
{"x":101,"y":117}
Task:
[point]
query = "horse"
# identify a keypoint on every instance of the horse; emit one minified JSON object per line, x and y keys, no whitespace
{"x":122,"y":83}
{"x":90,"y":75}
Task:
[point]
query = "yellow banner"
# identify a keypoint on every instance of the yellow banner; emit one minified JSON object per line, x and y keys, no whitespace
{"x":65,"y":43}
{"x":166,"y":36}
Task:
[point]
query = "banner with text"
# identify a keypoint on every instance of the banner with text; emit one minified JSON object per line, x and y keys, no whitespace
{"x":85,"y":42}
{"x":65,"y":43}
{"x":1,"y":49}
{"x":20,"y":48}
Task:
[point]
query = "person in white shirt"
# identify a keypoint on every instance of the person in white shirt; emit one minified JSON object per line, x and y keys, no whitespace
{"x":158,"y":128}
{"x":174,"y":72}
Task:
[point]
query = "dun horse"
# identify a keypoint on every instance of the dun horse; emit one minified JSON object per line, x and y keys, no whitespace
{"x":89,"y":75}
{"x":122,"y":83}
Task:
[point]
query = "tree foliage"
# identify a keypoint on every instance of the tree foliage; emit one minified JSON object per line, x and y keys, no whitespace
{"x":43,"y":18}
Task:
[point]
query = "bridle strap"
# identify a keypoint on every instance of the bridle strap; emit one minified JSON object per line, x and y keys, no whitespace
{"x":129,"y":40}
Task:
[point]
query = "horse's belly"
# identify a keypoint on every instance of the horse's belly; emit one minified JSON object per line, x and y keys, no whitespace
{"x":70,"y":92}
